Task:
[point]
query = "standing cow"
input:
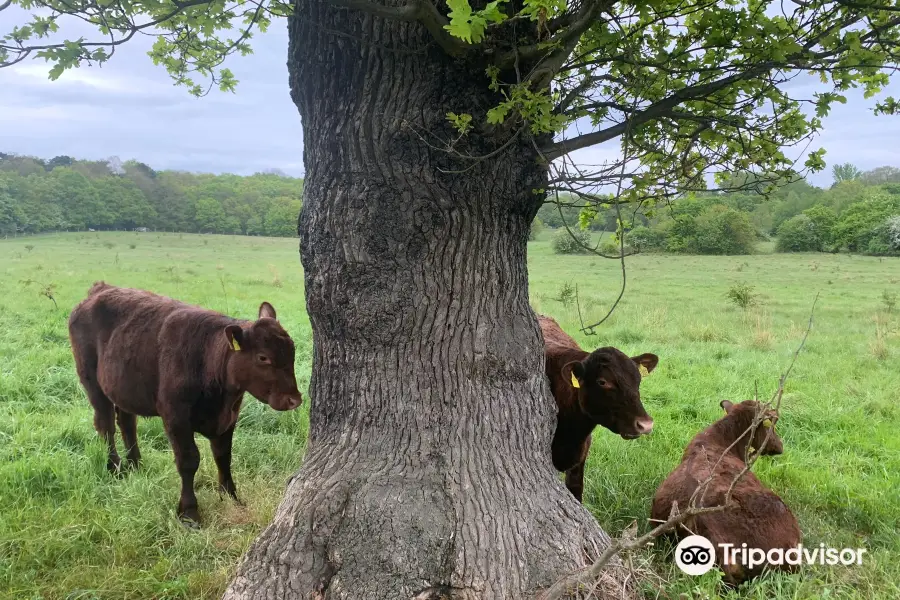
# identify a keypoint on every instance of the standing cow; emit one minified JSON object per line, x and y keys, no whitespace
{"x":138,"y":353}
{"x":590,"y":389}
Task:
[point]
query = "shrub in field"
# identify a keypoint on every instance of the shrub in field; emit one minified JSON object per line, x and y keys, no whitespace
{"x":574,"y":243}
{"x":612,"y":246}
{"x":742,"y":295}
{"x":566,"y":294}
{"x":892,"y":231}
{"x":886,"y":238}
{"x":824,"y":219}
{"x":723,"y":230}
{"x":717,"y":229}
{"x":644,"y":239}
{"x":798,"y":234}
{"x":863,"y":222}
{"x":890,"y":300}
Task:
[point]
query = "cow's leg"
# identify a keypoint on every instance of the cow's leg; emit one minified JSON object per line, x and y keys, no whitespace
{"x":221,"y":450}
{"x":187,"y":460}
{"x":104,"y":421}
{"x":128,"y":428}
{"x":575,"y":480}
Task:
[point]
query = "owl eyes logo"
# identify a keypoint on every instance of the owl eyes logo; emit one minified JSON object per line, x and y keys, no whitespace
{"x":695,"y":555}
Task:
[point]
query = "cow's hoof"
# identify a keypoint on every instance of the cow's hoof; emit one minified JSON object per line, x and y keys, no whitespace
{"x":231,"y":492}
{"x":190,"y":517}
{"x":189,"y":523}
{"x":116,"y":469}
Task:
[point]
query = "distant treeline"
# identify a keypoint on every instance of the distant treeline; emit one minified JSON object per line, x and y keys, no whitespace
{"x":65,"y":194}
{"x":859,"y":213}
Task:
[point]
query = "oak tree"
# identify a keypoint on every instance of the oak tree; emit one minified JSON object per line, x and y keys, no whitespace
{"x":433,"y":130}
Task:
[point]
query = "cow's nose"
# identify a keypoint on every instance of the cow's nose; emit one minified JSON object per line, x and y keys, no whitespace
{"x":643,"y":425}
{"x":287,"y":402}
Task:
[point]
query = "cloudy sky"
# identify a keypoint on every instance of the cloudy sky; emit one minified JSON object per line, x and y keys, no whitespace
{"x":130,"y":109}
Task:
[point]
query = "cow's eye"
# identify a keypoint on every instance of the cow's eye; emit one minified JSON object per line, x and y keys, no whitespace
{"x":262,"y":358}
{"x":602,"y":382}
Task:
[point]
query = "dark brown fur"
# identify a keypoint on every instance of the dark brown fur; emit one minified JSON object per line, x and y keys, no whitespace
{"x":608,"y":395}
{"x":140,"y":354}
{"x":758,"y":516}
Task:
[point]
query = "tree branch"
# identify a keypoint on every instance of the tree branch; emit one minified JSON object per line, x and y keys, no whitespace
{"x":589,"y":11}
{"x":657,"y":109}
{"x":862,"y":6}
{"x":422,"y":11}
{"x":24,"y":51}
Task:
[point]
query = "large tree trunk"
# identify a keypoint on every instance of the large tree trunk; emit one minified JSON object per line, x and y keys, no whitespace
{"x":428,"y":471}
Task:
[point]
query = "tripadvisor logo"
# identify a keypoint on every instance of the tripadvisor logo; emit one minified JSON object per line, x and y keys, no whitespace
{"x":695,"y":555}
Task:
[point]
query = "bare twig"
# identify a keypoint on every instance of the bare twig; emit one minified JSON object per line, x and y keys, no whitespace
{"x":620,"y":227}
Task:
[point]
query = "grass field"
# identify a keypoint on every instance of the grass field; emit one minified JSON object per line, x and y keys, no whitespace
{"x":69,"y":531}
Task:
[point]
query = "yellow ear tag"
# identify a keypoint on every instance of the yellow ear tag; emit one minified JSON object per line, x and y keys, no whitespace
{"x":643,"y":370}
{"x":234,"y":343}
{"x":575,"y":383}
{"x":767,"y":423}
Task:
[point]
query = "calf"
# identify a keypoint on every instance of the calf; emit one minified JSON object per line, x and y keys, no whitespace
{"x":600,"y":388}
{"x":138,"y":353}
{"x":757,"y":516}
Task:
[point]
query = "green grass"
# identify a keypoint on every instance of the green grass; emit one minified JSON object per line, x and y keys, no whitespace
{"x":69,"y":531}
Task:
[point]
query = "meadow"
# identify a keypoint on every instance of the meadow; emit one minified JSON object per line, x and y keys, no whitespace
{"x":69,"y":531}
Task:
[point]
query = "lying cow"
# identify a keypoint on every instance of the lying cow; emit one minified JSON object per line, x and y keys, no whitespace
{"x":597,"y":388}
{"x":140,"y":354}
{"x":757,"y":516}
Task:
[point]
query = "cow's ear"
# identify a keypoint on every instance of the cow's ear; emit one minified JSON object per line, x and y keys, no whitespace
{"x":267,"y":310}
{"x":726,"y":405}
{"x":648,"y":361}
{"x":235,"y":336}
{"x":573,"y":373}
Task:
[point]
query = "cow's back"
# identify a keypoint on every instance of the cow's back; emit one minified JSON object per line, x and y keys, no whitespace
{"x":756,"y":516}
{"x":115,"y":336}
{"x":554,"y":336}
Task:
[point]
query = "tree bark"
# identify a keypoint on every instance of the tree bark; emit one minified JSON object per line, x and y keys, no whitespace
{"x":427,"y":473}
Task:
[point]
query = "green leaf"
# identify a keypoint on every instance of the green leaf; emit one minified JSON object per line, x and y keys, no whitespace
{"x":492,"y":13}
{"x":56,"y":71}
{"x":816,"y":160}
{"x":468,"y":25}
{"x":460,"y":16}
{"x":462,"y":123}
{"x":497,"y":115}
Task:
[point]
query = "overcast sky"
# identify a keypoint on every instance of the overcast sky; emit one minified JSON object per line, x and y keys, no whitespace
{"x":130,"y":109}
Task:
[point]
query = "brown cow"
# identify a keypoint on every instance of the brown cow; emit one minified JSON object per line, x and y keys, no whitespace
{"x":138,"y":353}
{"x":757,"y":515}
{"x":607,"y":394}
